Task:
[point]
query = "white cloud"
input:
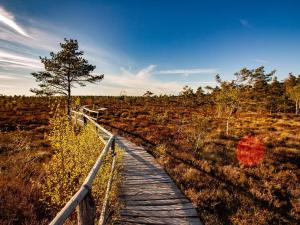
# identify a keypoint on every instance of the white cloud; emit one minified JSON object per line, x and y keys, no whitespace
{"x":9,"y":20}
{"x":5,"y":86}
{"x":18,"y":61}
{"x":7,"y":77}
{"x":146,"y":72}
{"x":38,"y":35}
{"x":202,"y":82}
{"x":245,"y":23}
{"x":138,"y":83}
{"x":187,"y":72}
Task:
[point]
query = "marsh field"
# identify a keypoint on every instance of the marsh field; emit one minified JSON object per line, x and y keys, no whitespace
{"x":186,"y":136}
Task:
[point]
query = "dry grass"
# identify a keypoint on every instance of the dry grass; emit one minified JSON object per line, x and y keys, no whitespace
{"x":188,"y":140}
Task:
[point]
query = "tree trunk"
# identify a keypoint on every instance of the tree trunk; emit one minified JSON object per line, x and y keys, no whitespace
{"x":227,"y":126}
{"x":297,"y":107}
{"x":69,"y":102}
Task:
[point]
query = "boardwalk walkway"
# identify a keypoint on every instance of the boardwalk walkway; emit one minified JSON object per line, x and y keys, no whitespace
{"x":149,"y":195}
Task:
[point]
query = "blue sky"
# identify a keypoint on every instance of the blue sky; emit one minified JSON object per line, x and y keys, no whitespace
{"x":150,"y":45}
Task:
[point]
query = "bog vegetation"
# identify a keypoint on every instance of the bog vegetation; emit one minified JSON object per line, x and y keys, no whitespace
{"x":193,"y":135}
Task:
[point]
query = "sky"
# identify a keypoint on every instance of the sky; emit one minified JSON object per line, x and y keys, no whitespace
{"x":153,"y":45}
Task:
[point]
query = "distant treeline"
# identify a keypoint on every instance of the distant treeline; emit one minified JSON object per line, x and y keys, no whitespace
{"x":250,"y":91}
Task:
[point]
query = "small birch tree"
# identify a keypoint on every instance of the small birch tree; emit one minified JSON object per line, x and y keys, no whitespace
{"x":228,"y":99}
{"x":294,"y":94}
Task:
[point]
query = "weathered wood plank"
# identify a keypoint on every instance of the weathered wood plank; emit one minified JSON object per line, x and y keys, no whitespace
{"x":181,"y":213}
{"x":159,"y":221}
{"x":161,"y":207}
{"x":145,"y":182}
{"x":146,"y":197}
{"x":158,"y":202}
{"x":137,"y":176}
{"x":148,"y":193}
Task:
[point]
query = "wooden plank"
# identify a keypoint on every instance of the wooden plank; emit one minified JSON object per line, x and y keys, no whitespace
{"x":145,"y":182}
{"x":137,"y":171}
{"x":143,"y":176}
{"x":145,"y":197}
{"x":154,"y":187}
{"x":161,"y":207}
{"x":158,"y":221}
{"x":156,"y":202}
{"x":142,"y":166}
{"x":148,"y":177}
{"x":182,"y":213}
{"x":149,"y":192}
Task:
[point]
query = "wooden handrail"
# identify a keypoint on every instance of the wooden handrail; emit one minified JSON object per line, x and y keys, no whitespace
{"x":92,"y":111}
{"x":84,"y":194}
{"x":89,"y":110}
{"x":93,"y":122}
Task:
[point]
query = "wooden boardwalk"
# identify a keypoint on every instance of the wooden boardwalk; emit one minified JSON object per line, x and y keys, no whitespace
{"x":148,"y":194}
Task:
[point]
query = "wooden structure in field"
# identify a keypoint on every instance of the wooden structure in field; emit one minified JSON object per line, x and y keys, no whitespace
{"x":148,"y":194}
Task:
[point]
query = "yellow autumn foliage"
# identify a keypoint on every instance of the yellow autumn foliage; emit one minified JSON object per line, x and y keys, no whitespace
{"x":75,"y":155}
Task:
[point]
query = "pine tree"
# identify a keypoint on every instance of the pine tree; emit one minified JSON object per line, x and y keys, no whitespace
{"x":258,"y":81}
{"x":63,"y":71}
{"x":275,"y":98}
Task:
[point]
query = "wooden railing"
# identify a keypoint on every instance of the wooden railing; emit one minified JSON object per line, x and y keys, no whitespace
{"x":94,"y":114}
{"x":83,"y":199}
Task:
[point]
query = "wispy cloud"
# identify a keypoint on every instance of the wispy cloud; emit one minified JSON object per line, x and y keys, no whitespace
{"x":137,"y":83}
{"x":6,"y":86}
{"x":187,"y":72}
{"x":202,"y":82}
{"x":7,"y":77}
{"x":8,"y":19}
{"x":245,"y":23}
{"x":146,"y":72}
{"x":17,"y":61}
{"x":261,"y":61}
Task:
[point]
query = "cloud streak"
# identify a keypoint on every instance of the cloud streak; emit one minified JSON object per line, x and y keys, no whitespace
{"x":15,"y":60}
{"x":6,"y":77}
{"x":139,"y":82}
{"x":146,"y":72}
{"x":9,"y":20}
{"x":187,"y":72}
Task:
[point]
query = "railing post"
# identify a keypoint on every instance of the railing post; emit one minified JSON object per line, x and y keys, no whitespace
{"x":113,"y":146}
{"x":84,"y":121}
{"x":75,"y":118}
{"x":86,"y":211}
